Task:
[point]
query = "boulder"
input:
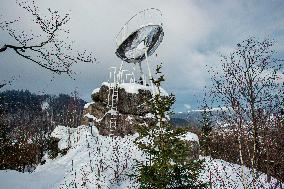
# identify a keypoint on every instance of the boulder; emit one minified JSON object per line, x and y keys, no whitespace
{"x":132,"y":109}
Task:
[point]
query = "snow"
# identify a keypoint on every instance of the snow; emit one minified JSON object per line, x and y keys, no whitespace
{"x":228,"y":175}
{"x":129,"y":119}
{"x":190,"y":137}
{"x":97,"y":120}
{"x":16,"y":180}
{"x":88,"y":104}
{"x":44,"y":105}
{"x":112,"y":112}
{"x":94,"y":161}
{"x":63,"y":133}
{"x":222,"y":109}
{"x":88,"y":115}
{"x":138,"y":46}
{"x":134,"y":88}
{"x":138,"y":51}
{"x":149,"y":115}
{"x":96,"y":90}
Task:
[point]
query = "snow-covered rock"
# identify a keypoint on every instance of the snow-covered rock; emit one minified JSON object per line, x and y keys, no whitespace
{"x":133,"y":100}
{"x":190,"y":137}
{"x":193,"y":141}
{"x":96,"y":90}
{"x":134,"y":88}
{"x":88,"y":104}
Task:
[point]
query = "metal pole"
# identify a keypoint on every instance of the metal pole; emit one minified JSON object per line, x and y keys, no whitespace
{"x":141,"y":73}
{"x":119,"y":72}
{"x":150,"y":75}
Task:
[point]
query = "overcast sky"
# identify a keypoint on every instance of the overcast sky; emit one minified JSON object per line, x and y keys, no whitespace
{"x":196,"y":32}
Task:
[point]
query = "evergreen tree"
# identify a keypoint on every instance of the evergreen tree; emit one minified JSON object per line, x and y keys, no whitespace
{"x":206,"y":128}
{"x":168,"y":164}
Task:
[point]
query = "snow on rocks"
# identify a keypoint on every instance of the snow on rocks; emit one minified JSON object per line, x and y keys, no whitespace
{"x":134,"y":88}
{"x":96,"y":90}
{"x":95,"y":161}
{"x":132,"y":100}
{"x":100,"y":162}
{"x":190,"y":137}
{"x":149,"y":115}
{"x":88,"y":104}
{"x":88,"y":115}
{"x":62,"y":133}
{"x":129,"y":119}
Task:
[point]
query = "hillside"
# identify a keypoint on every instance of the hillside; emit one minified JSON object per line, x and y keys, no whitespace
{"x":26,"y":122}
{"x":95,"y":161}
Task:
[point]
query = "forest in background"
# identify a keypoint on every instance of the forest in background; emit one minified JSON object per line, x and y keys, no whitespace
{"x":26,"y":122}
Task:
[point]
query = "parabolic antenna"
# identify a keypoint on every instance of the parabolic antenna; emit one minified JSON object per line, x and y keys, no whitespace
{"x":140,"y":36}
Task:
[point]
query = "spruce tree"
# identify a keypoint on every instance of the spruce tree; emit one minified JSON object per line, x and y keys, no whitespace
{"x":168,"y":164}
{"x":206,"y":128}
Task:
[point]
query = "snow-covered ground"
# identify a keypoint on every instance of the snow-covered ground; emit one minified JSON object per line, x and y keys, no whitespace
{"x":95,"y":161}
{"x":222,"y":174}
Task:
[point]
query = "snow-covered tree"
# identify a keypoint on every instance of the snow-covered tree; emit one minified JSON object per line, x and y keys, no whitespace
{"x":168,"y":163}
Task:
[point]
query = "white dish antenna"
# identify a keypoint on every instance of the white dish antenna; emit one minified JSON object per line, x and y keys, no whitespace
{"x":140,"y":36}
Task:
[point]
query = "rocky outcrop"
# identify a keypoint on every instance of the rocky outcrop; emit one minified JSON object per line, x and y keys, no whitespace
{"x":128,"y":103}
{"x":132,"y":109}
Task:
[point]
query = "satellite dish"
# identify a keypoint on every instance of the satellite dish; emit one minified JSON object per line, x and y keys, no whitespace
{"x":147,"y":38}
{"x":137,"y":39}
{"x":140,"y":36}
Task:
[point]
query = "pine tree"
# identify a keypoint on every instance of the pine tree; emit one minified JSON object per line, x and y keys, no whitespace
{"x":168,"y":164}
{"x":206,"y":128}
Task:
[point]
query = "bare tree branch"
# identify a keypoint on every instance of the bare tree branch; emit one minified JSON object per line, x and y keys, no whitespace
{"x":249,"y":86}
{"x":45,"y":49}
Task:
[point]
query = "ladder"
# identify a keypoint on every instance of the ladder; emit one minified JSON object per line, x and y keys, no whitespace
{"x":113,"y":97}
{"x":112,"y":123}
{"x":112,"y":104}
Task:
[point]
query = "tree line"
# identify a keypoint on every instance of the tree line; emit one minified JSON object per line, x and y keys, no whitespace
{"x":26,"y":123}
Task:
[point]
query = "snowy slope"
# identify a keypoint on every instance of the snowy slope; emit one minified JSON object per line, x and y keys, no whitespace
{"x":95,"y":161}
{"x":98,"y":162}
{"x":227,"y":175}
